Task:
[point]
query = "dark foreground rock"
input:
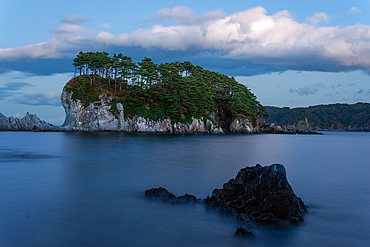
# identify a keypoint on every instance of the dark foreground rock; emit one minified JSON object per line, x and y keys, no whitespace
{"x":262,"y":193}
{"x":166,"y":196}
{"x":243,"y":231}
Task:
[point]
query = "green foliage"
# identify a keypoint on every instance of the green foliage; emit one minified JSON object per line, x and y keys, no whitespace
{"x":178,"y":91}
{"x":324,"y":117}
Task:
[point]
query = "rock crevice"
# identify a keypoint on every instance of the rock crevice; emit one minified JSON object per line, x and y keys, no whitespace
{"x":262,"y":193}
{"x":98,"y":116}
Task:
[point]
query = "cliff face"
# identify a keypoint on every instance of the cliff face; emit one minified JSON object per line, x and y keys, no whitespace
{"x":98,"y":117}
{"x":28,"y":122}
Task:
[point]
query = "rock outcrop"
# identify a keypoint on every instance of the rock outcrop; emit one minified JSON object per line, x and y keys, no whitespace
{"x":244,"y":126}
{"x":262,"y":193}
{"x":28,"y":122}
{"x":164,"y":195}
{"x":99,"y":117}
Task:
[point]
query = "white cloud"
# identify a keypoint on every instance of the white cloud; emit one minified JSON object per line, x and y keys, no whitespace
{"x":49,"y":98}
{"x":318,"y":17}
{"x":247,"y":35}
{"x":185,"y":16}
{"x":57,"y":121}
{"x":354,"y":10}
{"x":311,"y":89}
{"x":106,"y":25}
{"x":70,"y":28}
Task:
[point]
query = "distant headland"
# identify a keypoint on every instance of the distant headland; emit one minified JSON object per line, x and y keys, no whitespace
{"x":334,"y":117}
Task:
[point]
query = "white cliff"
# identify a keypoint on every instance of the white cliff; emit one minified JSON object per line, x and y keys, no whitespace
{"x":98,"y":117}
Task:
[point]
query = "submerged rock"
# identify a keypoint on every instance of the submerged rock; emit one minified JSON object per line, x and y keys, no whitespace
{"x":243,"y":231}
{"x":166,"y":196}
{"x":262,"y":193}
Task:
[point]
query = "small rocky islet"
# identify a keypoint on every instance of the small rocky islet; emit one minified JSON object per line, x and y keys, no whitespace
{"x":112,"y":93}
{"x":259,"y":194}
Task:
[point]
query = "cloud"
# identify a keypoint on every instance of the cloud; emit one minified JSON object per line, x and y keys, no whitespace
{"x":331,"y":94}
{"x":10,"y":88}
{"x":70,"y":28}
{"x":73,"y":19}
{"x":360,"y":91}
{"x":106,"y":25}
{"x":351,"y":84}
{"x":340,"y":85}
{"x":37,"y":66}
{"x":185,"y":16}
{"x":311,"y":89}
{"x":49,"y":98}
{"x":318,"y":17}
{"x":56,"y":120}
{"x":354,"y":10}
{"x":252,"y":36}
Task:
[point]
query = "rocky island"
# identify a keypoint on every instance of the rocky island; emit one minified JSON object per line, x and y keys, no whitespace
{"x":116,"y":94}
{"x":112,"y":93}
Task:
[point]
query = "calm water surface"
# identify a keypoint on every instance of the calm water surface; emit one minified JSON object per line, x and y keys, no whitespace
{"x":86,"y":189}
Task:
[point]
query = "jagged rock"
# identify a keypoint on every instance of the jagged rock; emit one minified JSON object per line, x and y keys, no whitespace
{"x":243,"y":231}
{"x":28,"y":122}
{"x":166,"y":196}
{"x":160,"y":193}
{"x":98,"y":117}
{"x":262,"y":193}
{"x":187,"y":198}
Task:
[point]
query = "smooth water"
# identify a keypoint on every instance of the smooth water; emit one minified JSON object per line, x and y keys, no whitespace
{"x":86,"y":189}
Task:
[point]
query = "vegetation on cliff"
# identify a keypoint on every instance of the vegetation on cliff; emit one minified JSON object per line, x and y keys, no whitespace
{"x":323,"y":117}
{"x":178,"y":90}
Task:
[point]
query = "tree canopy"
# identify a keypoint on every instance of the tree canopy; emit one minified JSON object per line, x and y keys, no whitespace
{"x":177,"y":90}
{"x":323,"y":117}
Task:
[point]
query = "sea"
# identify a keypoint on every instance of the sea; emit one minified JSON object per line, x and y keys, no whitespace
{"x":87,"y":189}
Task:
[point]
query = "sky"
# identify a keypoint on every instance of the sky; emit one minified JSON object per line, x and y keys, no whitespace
{"x":289,"y":53}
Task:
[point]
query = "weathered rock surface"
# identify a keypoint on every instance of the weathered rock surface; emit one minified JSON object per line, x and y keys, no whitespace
{"x":28,"y":122}
{"x":164,"y":195}
{"x":244,"y":126}
{"x":98,"y":117}
{"x":262,"y":193}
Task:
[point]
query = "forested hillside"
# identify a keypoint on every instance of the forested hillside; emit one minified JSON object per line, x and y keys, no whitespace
{"x":178,"y":90}
{"x":323,"y":117}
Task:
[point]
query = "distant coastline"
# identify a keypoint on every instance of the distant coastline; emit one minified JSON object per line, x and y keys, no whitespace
{"x":332,"y":117}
